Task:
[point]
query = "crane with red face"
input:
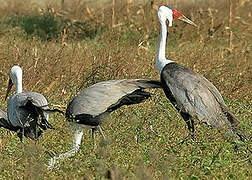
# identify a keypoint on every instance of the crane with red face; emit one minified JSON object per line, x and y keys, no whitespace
{"x":194,"y":97}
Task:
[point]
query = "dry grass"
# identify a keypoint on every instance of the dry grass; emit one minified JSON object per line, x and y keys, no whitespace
{"x":82,"y":49}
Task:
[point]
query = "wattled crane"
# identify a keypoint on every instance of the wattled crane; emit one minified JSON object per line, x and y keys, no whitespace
{"x":92,"y":106}
{"x":192,"y":95}
{"x":28,"y":112}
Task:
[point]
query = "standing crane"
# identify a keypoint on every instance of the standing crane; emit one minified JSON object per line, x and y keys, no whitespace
{"x":194,"y":97}
{"x":28,"y":112}
{"x":93,"y":105}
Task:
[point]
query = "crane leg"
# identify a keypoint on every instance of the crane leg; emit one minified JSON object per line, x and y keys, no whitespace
{"x":93,"y":137}
{"x":190,"y":125}
{"x":75,"y":147}
{"x":189,"y":122}
{"x":93,"y":134}
{"x":101,"y":132}
{"x":20,"y":134}
{"x":191,"y":128}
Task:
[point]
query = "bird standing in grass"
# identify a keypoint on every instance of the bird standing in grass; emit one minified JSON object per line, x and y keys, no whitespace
{"x":93,"y":105}
{"x":194,"y":97}
{"x":28,"y":112}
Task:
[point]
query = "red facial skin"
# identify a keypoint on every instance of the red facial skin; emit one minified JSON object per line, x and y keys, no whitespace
{"x":176,"y":14}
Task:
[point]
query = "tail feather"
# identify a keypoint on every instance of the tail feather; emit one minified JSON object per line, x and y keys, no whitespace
{"x":241,"y":136}
{"x":136,"y":97}
{"x":230,"y":117}
{"x":53,"y":111}
{"x":148,"y":83}
{"x":234,"y":129}
{"x":37,"y":122}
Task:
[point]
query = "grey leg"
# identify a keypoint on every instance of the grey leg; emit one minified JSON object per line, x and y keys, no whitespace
{"x":101,"y":132}
{"x":93,"y":137}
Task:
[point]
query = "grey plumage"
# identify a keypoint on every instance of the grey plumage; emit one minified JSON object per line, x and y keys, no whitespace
{"x":92,"y":105}
{"x":4,"y":120}
{"x":28,"y":112}
{"x":98,"y":100}
{"x":3,"y":116}
{"x":196,"y":98}
{"x":193,"y":96}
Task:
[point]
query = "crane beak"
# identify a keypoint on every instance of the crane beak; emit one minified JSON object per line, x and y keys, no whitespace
{"x":10,"y":84}
{"x":186,"y":20}
{"x":180,"y":16}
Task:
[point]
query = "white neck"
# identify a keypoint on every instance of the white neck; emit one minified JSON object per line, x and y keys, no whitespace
{"x":18,"y":85}
{"x":16,"y":76}
{"x":161,"y":61}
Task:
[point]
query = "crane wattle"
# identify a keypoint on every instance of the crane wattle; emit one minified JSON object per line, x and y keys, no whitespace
{"x":176,"y":14}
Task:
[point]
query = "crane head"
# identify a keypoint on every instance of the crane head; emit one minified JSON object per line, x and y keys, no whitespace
{"x":170,"y":14}
{"x":15,"y":78}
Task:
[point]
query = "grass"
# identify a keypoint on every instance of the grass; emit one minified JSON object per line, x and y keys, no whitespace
{"x":71,"y":50}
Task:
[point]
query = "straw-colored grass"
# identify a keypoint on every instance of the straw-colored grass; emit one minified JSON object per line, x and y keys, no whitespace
{"x":65,"y":48}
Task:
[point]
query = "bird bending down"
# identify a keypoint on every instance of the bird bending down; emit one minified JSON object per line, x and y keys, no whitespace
{"x":28,"y":112}
{"x":191,"y":94}
{"x":92,"y":106}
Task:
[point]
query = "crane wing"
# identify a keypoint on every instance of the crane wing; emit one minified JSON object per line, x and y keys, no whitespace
{"x":103,"y":96}
{"x":3,"y":114}
{"x":4,"y":121}
{"x":193,"y":94}
{"x":28,"y":111}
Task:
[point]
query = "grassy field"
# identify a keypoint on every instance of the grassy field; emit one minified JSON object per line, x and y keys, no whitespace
{"x":65,"y":48}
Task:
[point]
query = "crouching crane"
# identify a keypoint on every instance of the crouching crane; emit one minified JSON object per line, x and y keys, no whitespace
{"x":28,"y":112}
{"x":93,"y":105}
{"x":192,"y":95}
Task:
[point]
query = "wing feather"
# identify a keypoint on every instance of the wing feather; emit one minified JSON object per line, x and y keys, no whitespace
{"x":17,"y":115}
{"x":97,"y":98}
{"x":4,"y":121}
{"x":194,"y":94}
